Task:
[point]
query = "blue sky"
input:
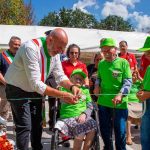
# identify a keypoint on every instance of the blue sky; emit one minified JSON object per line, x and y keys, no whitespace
{"x":137,"y":11}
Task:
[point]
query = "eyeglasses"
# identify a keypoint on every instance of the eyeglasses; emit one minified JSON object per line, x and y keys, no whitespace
{"x":79,"y":79}
{"x":107,"y":50}
{"x":72,"y":53}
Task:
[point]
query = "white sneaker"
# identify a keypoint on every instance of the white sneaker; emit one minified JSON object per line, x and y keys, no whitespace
{"x":3,"y":121}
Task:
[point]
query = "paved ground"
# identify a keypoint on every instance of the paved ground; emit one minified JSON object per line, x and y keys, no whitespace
{"x":46,"y":138}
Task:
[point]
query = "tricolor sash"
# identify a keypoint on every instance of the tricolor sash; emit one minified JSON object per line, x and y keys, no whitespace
{"x":8,"y":56}
{"x":45,"y":58}
{"x":45,"y":68}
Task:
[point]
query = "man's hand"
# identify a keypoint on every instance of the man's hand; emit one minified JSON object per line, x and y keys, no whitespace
{"x":76,"y":91}
{"x":82,"y":118}
{"x":117,"y":99}
{"x":69,"y":98}
{"x":143,"y":95}
{"x":70,"y":86}
{"x":2,"y":80}
{"x":138,"y":76}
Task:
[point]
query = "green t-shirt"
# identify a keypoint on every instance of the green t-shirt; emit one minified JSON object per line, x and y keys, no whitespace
{"x":73,"y":110}
{"x":134,"y":89}
{"x":146,"y":81}
{"x":111,"y":76}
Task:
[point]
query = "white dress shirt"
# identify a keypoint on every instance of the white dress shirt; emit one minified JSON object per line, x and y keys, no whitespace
{"x":25,"y":71}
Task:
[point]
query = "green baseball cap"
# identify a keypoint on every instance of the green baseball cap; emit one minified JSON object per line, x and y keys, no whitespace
{"x":108,"y":42}
{"x":80,"y":72}
{"x":146,"y":46}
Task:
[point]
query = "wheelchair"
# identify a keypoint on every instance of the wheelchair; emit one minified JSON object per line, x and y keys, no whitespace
{"x":56,"y":139}
{"x":2,"y":125}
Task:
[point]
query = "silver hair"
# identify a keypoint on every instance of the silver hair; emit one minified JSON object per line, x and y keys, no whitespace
{"x":14,"y":38}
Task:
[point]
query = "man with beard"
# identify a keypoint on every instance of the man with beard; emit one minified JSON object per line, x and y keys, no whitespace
{"x":35,"y":60}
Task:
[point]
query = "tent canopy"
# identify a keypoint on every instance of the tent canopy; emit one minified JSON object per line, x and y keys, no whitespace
{"x":87,"y":39}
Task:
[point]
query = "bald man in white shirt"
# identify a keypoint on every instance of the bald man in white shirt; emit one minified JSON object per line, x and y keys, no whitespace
{"x":25,"y":79}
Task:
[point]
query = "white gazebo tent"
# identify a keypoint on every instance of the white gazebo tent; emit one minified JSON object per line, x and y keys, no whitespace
{"x":87,"y":39}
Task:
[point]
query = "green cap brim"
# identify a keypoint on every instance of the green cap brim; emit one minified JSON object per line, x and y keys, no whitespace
{"x":80,"y":73}
{"x":144,"y":49}
{"x":110,"y":45}
{"x":108,"y":42}
{"x":146,"y":46}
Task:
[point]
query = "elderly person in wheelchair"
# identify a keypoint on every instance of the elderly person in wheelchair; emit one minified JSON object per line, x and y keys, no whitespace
{"x":75,"y":120}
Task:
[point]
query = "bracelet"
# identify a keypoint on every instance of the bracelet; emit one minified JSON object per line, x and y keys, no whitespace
{"x":84,"y":113}
{"x":72,"y":87}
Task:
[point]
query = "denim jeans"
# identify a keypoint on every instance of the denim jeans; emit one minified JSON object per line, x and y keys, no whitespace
{"x":110,"y":119}
{"x":145,"y":128}
{"x":27,"y":115}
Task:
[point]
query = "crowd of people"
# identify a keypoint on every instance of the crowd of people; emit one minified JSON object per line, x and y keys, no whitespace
{"x":36,"y":68}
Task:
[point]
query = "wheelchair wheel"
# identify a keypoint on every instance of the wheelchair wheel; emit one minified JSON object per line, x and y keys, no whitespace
{"x":96,"y":143}
{"x":55,"y":140}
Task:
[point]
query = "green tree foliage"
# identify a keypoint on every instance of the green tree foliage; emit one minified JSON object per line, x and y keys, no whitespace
{"x":69,"y":18}
{"x":78,"y":19}
{"x":50,"y":20}
{"x":16,"y":12}
{"x":115,"y":23}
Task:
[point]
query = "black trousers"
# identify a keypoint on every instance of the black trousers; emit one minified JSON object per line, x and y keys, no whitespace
{"x":51,"y":103}
{"x":51,"y":100}
{"x":27,"y":114}
{"x":52,"y":111}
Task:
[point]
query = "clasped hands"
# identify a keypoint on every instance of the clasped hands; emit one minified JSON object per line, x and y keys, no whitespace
{"x":72,"y":98}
